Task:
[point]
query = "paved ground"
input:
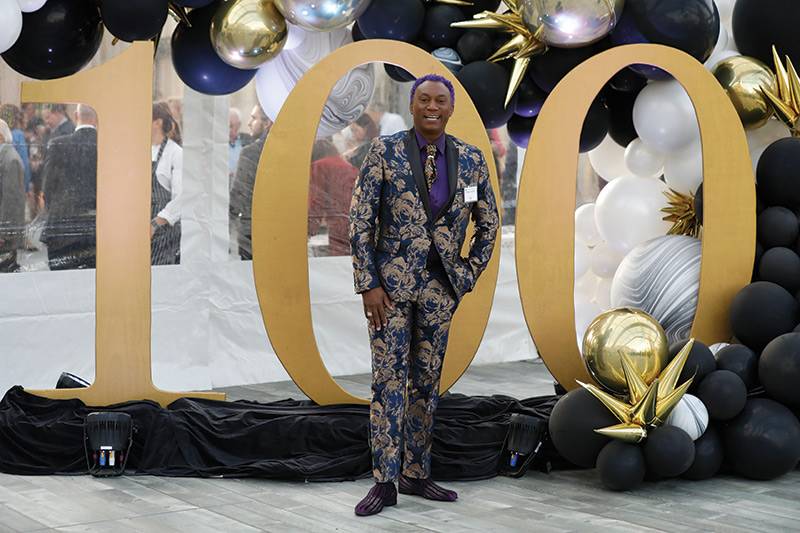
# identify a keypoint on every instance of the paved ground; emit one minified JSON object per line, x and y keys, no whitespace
{"x":558,"y":501}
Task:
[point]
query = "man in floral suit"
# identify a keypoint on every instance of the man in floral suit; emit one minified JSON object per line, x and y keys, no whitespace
{"x":415,"y":195}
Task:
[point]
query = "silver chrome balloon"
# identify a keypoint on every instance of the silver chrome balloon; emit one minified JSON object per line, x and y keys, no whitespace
{"x":321,"y":15}
{"x":570,"y":23}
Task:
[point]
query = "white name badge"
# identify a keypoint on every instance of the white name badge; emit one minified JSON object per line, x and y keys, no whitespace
{"x":470,"y":194}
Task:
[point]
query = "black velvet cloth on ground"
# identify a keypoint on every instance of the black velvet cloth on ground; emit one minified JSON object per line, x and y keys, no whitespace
{"x":288,"y":439}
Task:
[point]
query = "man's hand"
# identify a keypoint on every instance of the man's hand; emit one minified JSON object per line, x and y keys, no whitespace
{"x":376,"y":302}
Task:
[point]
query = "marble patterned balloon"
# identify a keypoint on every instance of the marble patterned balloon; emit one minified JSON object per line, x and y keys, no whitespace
{"x":691,"y":415}
{"x":662,"y":278}
{"x":347,"y":100}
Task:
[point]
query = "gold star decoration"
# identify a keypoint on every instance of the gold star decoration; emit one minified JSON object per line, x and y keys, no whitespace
{"x":681,"y":213}
{"x":786,"y":103}
{"x":520,"y":47}
{"x":648,"y":405}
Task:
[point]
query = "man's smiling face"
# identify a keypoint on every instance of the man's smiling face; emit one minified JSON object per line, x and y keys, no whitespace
{"x":431,"y":109}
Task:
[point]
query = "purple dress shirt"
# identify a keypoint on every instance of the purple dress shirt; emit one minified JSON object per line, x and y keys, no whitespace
{"x":440,"y":190}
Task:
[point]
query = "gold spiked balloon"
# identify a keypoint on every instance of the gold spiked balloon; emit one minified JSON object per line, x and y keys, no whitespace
{"x":624,"y":331}
{"x":522,"y":45}
{"x":652,"y":407}
{"x":786,"y":101}
{"x":681,"y":213}
{"x":248,"y":33}
{"x":744,"y":79}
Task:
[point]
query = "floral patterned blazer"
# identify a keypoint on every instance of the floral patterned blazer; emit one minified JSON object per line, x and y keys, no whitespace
{"x":391,"y":226}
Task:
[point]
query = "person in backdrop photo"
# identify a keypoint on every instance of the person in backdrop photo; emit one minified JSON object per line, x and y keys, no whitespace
{"x":240,"y":207}
{"x":237,"y":140}
{"x":166,"y":188}
{"x":329,"y":194}
{"x":69,"y":185}
{"x":416,"y":193}
{"x":387,"y":122}
{"x":12,"y":201}
{"x":363,"y":131}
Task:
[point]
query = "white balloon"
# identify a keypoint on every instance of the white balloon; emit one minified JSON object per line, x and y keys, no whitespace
{"x":716,"y":57}
{"x":585,"y":313}
{"x":603,"y":294}
{"x":585,"y":287}
{"x":642,"y":160}
{"x":628,"y":212}
{"x":585,"y":226}
{"x":583,"y":258}
{"x":608,"y":159}
{"x":684,"y":170}
{"x":29,"y":6}
{"x":725,"y":9}
{"x":664,"y":117}
{"x":10,"y":24}
{"x":295,"y":35}
{"x":605,"y":261}
{"x":767,"y":134}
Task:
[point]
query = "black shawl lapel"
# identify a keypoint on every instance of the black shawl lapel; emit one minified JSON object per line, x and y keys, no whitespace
{"x":412,"y":153}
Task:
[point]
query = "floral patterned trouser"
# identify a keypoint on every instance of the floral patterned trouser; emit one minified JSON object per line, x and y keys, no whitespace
{"x":407,"y":359}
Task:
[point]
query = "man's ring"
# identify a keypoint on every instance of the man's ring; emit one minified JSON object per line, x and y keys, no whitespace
{"x":369,"y":314}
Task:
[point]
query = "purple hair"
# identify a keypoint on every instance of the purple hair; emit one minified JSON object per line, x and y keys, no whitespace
{"x":434,"y":77}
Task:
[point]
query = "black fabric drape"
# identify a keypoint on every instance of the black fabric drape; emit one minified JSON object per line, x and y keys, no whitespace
{"x":288,"y":439}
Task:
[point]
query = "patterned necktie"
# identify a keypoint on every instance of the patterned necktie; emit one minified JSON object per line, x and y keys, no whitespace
{"x":430,"y":165}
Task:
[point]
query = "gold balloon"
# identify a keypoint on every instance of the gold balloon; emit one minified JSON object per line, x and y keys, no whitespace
{"x":742,"y":78}
{"x":624,"y":332}
{"x":248,"y":33}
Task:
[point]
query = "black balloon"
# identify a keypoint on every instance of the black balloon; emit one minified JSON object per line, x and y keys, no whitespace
{"x":57,"y":40}
{"x":621,"y":466}
{"x":708,"y":456}
{"x":197,"y":63}
{"x":779,"y":369}
{"x":479,"y":6}
{"x":668,"y":451}
{"x":760,"y":312}
{"x":436,"y":28}
{"x":782,"y":266}
{"x":595,"y":126}
{"x":724,"y":394}
{"x":398,"y":73}
{"x":194,"y":4}
{"x":777,"y":226}
{"x":699,"y":363}
{"x":530,"y":98}
{"x":572,"y":423}
{"x":620,"y":113}
{"x":400,"y":20}
{"x":356,"y":33}
{"x":487,"y":84}
{"x":740,"y":360}
{"x":548,"y":69}
{"x":134,"y":21}
{"x":758,"y":24}
{"x":763,"y":441}
{"x":698,"y":203}
{"x":778,"y":172}
{"x":474,"y":45}
{"x":519,"y":129}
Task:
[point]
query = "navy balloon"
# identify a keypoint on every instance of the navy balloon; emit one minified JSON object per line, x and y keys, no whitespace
{"x":436,"y":28}
{"x":595,"y":126}
{"x":57,"y":40}
{"x":474,"y":45}
{"x":519,"y":129}
{"x":399,"y":20}
{"x":530,"y":98}
{"x":197,"y":63}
